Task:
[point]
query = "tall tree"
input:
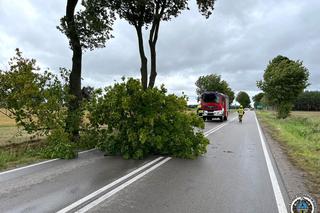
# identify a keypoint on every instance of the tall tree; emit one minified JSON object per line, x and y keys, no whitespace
{"x":283,"y":81}
{"x":257,"y":99}
{"x":244,"y":99}
{"x":143,"y":13}
{"x":85,"y":30}
{"x":214,"y":82}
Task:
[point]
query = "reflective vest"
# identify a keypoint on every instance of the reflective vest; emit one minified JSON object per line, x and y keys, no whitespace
{"x":240,"y":111}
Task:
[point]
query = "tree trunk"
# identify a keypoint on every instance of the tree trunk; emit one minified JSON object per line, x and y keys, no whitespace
{"x":143,"y":58}
{"x":153,"y":54}
{"x":74,"y":115}
{"x":153,"y":38}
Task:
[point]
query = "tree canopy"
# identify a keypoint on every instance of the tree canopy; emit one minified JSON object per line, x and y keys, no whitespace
{"x":244,"y":99}
{"x":149,"y":13}
{"x":257,"y":99}
{"x":91,"y":25}
{"x":34,"y":99}
{"x":214,"y":82}
{"x":308,"y":101}
{"x":283,"y":81}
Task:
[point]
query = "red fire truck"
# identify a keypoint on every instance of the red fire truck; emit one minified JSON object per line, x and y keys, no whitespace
{"x":213,"y":105}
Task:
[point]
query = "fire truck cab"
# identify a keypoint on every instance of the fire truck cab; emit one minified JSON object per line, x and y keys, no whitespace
{"x":213,"y":105}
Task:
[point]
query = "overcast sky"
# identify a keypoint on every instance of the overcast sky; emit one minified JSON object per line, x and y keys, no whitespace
{"x":237,"y":42}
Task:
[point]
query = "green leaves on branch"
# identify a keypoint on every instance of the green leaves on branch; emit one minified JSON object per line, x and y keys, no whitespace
{"x":140,"y":122}
{"x":214,"y":82}
{"x":33,"y":98}
{"x":124,"y":119}
{"x":93,"y":25}
{"x":283,"y":81}
{"x":59,"y":145}
{"x":37,"y":101}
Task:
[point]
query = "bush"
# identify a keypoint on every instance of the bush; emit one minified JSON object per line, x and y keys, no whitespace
{"x":141,"y":122}
{"x":59,"y":145}
{"x":34,"y":99}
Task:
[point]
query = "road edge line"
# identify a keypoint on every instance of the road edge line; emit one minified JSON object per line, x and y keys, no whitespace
{"x":122,"y":186}
{"x":106,"y":187}
{"x":274,"y":181}
{"x":214,"y":129}
{"x":40,"y":163}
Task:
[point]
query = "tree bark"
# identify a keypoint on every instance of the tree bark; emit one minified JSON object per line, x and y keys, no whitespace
{"x":143,"y":58}
{"x":74,"y":116}
{"x":153,"y":37}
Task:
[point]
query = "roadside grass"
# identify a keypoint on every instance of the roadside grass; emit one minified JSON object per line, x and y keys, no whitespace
{"x":16,"y":155}
{"x":19,"y":148}
{"x":20,"y":155}
{"x":300,"y":136}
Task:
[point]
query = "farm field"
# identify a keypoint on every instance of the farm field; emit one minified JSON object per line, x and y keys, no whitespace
{"x":10,"y":133}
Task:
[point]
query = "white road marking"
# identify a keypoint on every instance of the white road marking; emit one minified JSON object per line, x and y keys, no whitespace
{"x":26,"y":167}
{"x":122,"y":186}
{"x":93,"y":194}
{"x":214,"y":129}
{"x":89,"y":150}
{"x":206,"y":134}
{"x":274,"y":181}
{"x":38,"y":164}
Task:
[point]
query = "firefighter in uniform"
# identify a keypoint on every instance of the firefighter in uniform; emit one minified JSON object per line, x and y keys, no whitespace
{"x":240,"y":113}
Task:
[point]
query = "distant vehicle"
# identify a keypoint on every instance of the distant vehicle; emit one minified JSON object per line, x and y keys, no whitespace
{"x":213,"y":105}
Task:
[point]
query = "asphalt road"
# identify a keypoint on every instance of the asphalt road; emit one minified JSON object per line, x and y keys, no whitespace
{"x":233,"y":176}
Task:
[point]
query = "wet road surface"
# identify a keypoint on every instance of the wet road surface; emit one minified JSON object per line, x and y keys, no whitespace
{"x":232,"y":176}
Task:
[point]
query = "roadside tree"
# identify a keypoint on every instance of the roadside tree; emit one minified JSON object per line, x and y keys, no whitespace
{"x":36,"y":100}
{"x":213,"y":82}
{"x":244,"y":99}
{"x":257,"y":99}
{"x":283,"y":81}
{"x":145,"y":13}
{"x":86,"y":29}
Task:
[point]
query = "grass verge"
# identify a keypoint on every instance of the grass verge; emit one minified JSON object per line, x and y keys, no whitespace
{"x":22,"y":154}
{"x":300,"y":136}
{"x":17,"y":155}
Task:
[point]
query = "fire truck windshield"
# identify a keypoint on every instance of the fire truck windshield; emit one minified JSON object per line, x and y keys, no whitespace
{"x":210,"y":97}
